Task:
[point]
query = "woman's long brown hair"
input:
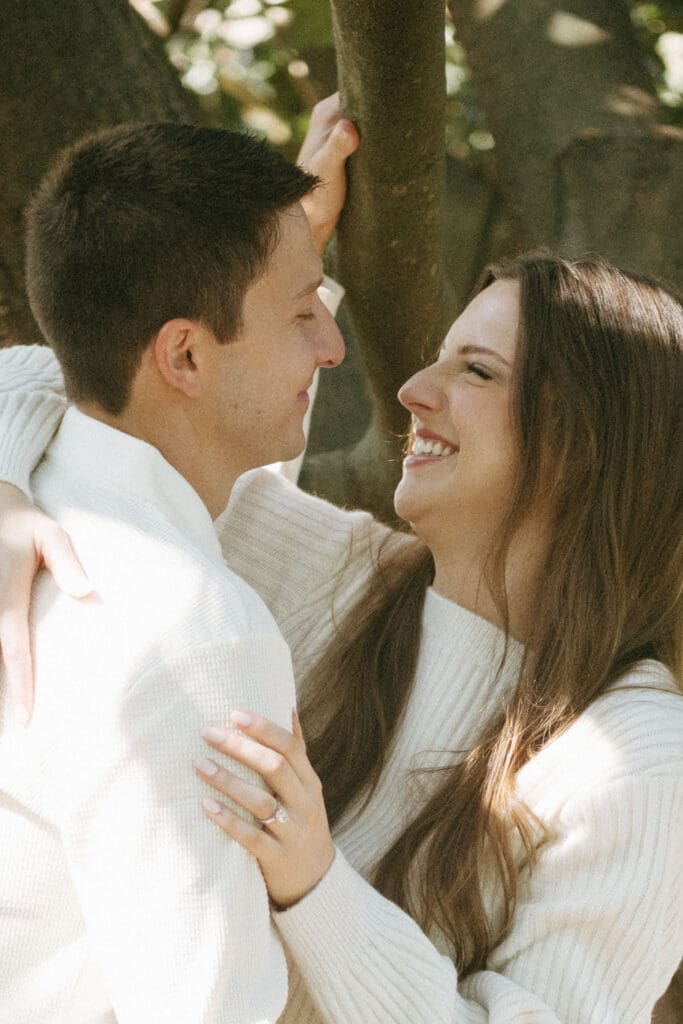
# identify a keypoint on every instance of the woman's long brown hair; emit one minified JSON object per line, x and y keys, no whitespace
{"x":597,"y":402}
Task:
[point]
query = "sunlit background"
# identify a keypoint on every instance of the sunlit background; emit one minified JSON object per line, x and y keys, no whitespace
{"x":264,"y":63}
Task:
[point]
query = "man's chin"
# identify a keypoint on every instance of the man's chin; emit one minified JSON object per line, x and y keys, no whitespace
{"x":288,"y":454}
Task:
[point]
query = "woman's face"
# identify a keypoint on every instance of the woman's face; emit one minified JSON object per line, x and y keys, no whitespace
{"x":461,"y":466}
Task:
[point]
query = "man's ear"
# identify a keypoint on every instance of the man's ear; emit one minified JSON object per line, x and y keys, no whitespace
{"x":175,"y":351}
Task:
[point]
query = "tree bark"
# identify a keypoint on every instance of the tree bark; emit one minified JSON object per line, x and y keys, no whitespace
{"x":390,"y":246}
{"x":69,"y":69}
{"x":583,"y":161}
{"x":620,"y":194}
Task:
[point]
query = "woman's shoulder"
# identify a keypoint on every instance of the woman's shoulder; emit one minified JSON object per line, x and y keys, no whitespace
{"x":269,"y":496}
{"x":641,"y":716}
{"x":298,"y":551}
{"x":631,"y":733}
{"x":635,"y":727}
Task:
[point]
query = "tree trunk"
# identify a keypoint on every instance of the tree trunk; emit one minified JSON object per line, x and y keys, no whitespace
{"x":390,"y":246}
{"x":68,"y":69}
{"x":583,"y":161}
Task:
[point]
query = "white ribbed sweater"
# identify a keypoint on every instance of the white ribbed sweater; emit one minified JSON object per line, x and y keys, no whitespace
{"x":598,"y":930}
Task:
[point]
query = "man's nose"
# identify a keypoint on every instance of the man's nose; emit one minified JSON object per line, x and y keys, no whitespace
{"x":330,"y":349}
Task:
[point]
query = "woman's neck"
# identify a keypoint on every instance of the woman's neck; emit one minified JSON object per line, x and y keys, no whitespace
{"x":461,"y":576}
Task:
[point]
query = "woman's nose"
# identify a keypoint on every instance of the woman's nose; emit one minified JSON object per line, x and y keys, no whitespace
{"x":422,"y":391}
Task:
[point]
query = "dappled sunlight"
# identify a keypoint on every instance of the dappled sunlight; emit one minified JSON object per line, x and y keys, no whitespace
{"x":487,"y":8}
{"x":670,"y":50}
{"x":565,"y":29}
{"x":630,"y":101}
{"x":154,"y":18}
{"x":246,"y":33}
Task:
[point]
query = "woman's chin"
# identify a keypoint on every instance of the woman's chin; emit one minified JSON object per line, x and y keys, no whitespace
{"x":407,"y":503}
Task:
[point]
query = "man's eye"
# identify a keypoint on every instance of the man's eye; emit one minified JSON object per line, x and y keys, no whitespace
{"x":306,"y":316}
{"x":479,"y":371}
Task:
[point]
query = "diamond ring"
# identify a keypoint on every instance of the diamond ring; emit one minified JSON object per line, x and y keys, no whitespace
{"x":280,"y":816}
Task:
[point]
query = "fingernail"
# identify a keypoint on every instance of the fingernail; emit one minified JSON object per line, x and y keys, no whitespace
{"x":240,"y":718}
{"x":21,"y":714}
{"x":212,"y":806}
{"x":214,"y":734}
{"x":205,"y":766}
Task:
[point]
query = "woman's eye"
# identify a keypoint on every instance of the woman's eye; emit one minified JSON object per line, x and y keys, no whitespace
{"x":479,"y":371}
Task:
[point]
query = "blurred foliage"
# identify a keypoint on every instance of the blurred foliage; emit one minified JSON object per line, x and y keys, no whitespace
{"x":660,"y":30}
{"x":264,"y":63}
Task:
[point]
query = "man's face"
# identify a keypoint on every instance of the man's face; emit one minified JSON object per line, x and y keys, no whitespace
{"x":260,"y":379}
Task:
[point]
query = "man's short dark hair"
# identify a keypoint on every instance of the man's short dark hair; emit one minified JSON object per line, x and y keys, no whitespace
{"x":139,"y":224}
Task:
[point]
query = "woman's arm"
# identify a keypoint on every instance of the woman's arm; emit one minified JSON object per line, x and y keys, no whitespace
{"x":596,"y":934}
{"x":32,"y":403}
{"x":306,"y":558}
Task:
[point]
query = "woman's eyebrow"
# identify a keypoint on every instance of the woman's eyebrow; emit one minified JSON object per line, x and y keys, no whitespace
{"x":470,"y":350}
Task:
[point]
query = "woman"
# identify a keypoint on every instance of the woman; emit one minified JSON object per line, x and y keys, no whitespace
{"x":492,"y":704}
{"x":501,"y":794}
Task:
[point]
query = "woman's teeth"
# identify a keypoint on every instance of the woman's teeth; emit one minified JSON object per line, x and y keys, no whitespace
{"x":423,"y":447}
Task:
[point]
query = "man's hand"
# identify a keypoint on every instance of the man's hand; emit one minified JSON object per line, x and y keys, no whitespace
{"x":28,"y":539}
{"x":330,"y":140}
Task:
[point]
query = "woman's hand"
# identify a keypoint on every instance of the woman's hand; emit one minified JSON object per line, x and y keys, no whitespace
{"x":329,"y":141}
{"x":28,"y":539}
{"x":290,"y":838}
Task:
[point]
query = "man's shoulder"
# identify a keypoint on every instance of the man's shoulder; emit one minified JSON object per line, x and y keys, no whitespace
{"x":156,"y":592}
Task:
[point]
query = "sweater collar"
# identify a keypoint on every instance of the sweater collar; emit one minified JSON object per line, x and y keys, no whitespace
{"x":109,"y":460}
{"x":477,"y":638}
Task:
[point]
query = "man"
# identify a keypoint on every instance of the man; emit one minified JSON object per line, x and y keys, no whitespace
{"x":172,"y":269}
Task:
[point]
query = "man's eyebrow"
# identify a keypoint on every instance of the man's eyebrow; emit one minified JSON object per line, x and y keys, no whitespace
{"x":309,"y":288}
{"x":470,"y":350}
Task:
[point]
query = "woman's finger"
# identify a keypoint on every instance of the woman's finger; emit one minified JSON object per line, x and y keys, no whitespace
{"x":54,"y":546}
{"x":272,"y":766}
{"x":15,"y":649}
{"x":256,"y":801}
{"x":290,"y":744}
{"x":253,"y":838}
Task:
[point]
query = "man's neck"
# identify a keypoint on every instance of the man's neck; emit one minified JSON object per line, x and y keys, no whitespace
{"x":176,"y":438}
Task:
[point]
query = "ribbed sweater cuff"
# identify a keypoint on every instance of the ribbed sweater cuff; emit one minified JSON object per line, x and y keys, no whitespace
{"x":27,"y":424}
{"x":32,"y":403}
{"x":362,"y":958}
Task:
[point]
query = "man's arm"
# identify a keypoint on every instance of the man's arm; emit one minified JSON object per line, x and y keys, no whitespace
{"x":177,"y":916}
{"x":330,"y":141}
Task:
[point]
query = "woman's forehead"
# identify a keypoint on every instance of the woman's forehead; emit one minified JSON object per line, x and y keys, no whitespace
{"x":490,"y":320}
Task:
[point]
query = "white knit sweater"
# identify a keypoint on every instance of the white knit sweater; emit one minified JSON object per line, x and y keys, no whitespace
{"x":598,"y":930}
{"x":119,"y":900}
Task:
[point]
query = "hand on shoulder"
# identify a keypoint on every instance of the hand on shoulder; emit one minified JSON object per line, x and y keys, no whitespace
{"x":28,"y":540}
